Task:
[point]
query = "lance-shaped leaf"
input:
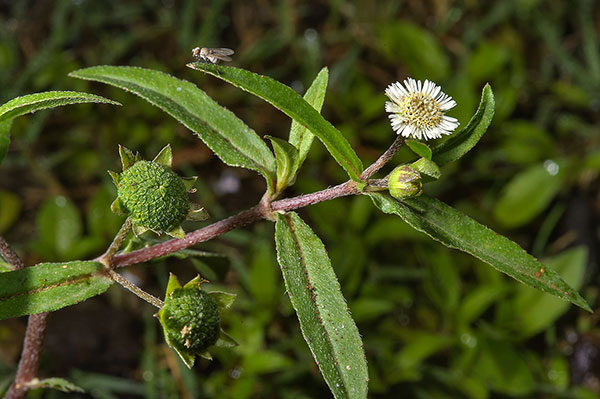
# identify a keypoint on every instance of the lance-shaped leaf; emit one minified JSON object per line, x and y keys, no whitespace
{"x":50,"y":286}
{"x":455,"y":230}
{"x":460,"y":143}
{"x":35,"y":102}
{"x":300,"y":136}
{"x":223,"y":132}
{"x":287,"y":158}
{"x":290,"y":103}
{"x":322,"y":311}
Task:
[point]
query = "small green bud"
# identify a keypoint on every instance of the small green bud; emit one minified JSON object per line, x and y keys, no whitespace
{"x":405,"y":182}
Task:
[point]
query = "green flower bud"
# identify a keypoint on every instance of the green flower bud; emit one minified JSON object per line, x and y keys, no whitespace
{"x":191,"y":320}
{"x":153,"y":196}
{"x":405,"y":182}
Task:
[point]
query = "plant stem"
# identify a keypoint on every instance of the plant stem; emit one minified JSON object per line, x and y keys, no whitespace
{"x":10,"y":256}
{"x":34,"y":337}
{"x":383,"y":159}
{"x":30,"y":356}
{"x":135,"y":289}
{"x":107,"y":258}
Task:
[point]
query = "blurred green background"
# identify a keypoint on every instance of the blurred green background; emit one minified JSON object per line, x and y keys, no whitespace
{"x":436,"y":323}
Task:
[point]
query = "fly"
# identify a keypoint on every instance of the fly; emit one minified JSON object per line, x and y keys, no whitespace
{"x":212,"y":55}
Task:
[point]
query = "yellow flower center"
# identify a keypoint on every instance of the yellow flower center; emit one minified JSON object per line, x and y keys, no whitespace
{"x":421,"y":110}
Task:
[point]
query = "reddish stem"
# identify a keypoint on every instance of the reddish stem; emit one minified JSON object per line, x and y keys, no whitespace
{"x":34,"y":337}
{"x":244,"y":218}
{"x":30,"y":356}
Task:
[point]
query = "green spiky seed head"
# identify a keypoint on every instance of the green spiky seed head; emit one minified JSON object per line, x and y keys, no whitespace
{"x":191,"y":319}
{"x":153,"y":196}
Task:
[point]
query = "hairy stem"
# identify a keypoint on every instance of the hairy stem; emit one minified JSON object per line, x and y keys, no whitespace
{"x":107,"y":257}
{"x":10,"y":256}
{"x":135,"y":289}
{"x":34,"y":337}
{"x":30,"y":356}
{"x":383,"y":159}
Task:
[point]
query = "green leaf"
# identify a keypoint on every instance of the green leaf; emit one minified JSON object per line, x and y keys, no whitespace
{"x":225,"y":134}
{"x":59,"y":384}
{"x":415,"y":48}
{"x":300,"y":136}
{"x":49,"y":99}
{"x":479,"y":299}
{"x":10,"y":208}
{"x":4,"y":138}
{"x":60,"y":229}
{"x":419,"y":148}
{"x":455,"y":230}
{"x":36,"y":102}
{"x":419,"y":348}
{"x":534,"y":312}
{"x":504,"y":368}
{"x":427,"y":167}
{"x":286,"y":156}
{"x":47,"y":287}
{"x":460,"y":143}
{"x":290,"y":103}
{"x":528,"y":194}
{"x":324,"y":319}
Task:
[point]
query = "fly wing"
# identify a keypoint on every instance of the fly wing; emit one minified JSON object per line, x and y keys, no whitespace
{"x":222,"y":57}
{"x":222,"y":52}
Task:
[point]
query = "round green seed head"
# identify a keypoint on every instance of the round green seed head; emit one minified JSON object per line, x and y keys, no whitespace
{"x":153,"y":196}
{"x":192,"y":319}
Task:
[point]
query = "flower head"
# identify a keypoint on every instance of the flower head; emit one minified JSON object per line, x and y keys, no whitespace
{"x":417,"y":109}
{"x":191,"y":319}
{"x":152,"y":195}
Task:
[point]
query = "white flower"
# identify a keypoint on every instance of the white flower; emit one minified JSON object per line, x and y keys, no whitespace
{"x":417,"y":109}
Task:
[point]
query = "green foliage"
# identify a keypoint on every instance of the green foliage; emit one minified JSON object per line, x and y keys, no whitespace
{"x":61,"y":232}
{"x":529,"y":193}
{"x":533,"y":311}
{"x":406,"y":43}
{"x":290,"y":103}
{"x":226,"y":135}
{"x":36,"y":102}
{"x":287,"y":160}
{"x":60,"y":384}
{"x":50,"y":286}
{"x":300,"y":135}
{"x":419,"y":148}
{"x":465,"y":139}
{"x":322,"y":311}
{"x":456,"y":230}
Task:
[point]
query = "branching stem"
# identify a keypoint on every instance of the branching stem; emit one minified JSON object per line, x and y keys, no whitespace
{"x":263,"y":210}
